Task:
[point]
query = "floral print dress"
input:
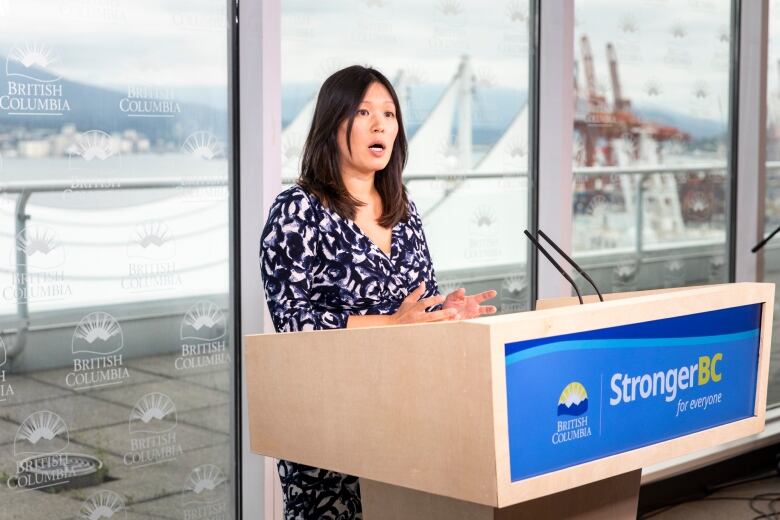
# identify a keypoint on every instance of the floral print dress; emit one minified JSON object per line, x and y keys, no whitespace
{"x":319,"y":268}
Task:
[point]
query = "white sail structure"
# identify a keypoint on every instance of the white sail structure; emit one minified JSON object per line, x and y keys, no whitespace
{"x":510,"y":153}
{"x":431,"y":150}
{"x":293,"y":137}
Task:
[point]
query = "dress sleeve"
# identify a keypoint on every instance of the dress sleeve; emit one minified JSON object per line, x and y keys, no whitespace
{"x":429,"y":274}
{"x":288,"y":250}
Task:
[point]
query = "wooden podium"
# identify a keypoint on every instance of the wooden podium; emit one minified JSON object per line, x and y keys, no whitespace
{"x":438,"y":420}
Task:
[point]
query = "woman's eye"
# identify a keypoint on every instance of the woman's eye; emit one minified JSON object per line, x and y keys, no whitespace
{"x":362,"y":112}
{"x":389,"y":114}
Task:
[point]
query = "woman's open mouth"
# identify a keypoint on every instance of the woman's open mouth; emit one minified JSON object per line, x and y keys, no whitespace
{"x":378,"y":149}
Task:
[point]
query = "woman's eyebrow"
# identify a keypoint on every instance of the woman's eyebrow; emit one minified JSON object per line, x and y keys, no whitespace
{"x":385,"y":102}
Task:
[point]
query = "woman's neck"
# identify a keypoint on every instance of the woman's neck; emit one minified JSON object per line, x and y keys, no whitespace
{"x":360,"y":185}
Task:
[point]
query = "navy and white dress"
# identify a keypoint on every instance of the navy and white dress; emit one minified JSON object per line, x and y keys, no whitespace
{"x":319,"y":268}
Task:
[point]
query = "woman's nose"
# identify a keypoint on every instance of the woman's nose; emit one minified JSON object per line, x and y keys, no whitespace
{"x":377,"y":125}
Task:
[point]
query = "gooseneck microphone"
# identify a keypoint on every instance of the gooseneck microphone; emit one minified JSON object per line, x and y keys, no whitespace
{"x":554,"y":263}
{"x":572,"y":262}
{"x":763,"y":242}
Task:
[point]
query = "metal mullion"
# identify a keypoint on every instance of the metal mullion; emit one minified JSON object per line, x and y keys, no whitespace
{"x":260,"y":157}
{"x":555,"y":118}
{"x":748,"y":166}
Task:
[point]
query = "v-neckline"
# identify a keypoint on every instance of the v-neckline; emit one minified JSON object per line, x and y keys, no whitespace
{"x":372,"y":244}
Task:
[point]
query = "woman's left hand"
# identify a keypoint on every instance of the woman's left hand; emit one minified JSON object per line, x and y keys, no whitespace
{"x":469,"y":306}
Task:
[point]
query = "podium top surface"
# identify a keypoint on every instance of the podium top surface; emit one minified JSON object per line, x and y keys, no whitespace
{"x":504,"y":409}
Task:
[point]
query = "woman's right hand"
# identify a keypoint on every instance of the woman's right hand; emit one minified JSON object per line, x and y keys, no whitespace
{"x":412,"y":309}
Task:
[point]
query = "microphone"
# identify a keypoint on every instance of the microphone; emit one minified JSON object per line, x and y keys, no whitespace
{"x":763,"y":242}
{"x":572,"y":262}
{"x":554,"y":263}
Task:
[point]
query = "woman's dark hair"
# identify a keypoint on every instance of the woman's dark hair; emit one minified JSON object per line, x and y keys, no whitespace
{"x":339,"y":99}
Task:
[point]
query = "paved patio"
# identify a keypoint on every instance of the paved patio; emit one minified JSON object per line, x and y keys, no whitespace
{"x":99,"y":424}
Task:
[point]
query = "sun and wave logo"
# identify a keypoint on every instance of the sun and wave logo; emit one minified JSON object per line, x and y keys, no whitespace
{"x":573,"y":400}
{"x":95,"y":145}
{"x":97,"y":333}
{"x":41,"y":248}
{"x":33,"y":61}
{"x":206,"y":484}
{"x":103,"y":504}
{"x":152,"y":241}
{"x":203,"y":145}
{"x":41,"y":433}
{"x":204,"y":321}
{"x":155,"y":412}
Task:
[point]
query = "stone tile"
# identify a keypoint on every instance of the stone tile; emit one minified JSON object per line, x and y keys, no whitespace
{"x":139,"y":487}
{"x":79,"y":412}
{"x":177,"y":506}
{"x":57,"y":377}
{"x":33,"y":504}
{"x":217,"y":380}
{"x":116,"y":439}
{"x":8,"y":460}
{"x":215,"y":418}
{"x":7,"y":431}
{"x":27,"y":389}
{"x":165,"y":366}
{"x":136,"y":484}
{"x":184,"y":396}
{"x":172,"y":506}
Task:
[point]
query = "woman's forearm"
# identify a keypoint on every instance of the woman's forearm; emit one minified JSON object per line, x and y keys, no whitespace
{"x":374,"y":320}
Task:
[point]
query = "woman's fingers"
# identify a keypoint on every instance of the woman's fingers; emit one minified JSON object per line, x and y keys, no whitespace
{"x":444,"y":314}
{"x":457,"y":293}
{"x":486,"y":295}
{"x":430,"y":301}
{"x":487,"y":309}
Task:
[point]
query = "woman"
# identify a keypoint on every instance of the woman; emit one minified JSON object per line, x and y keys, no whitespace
{"x":345,"y":248}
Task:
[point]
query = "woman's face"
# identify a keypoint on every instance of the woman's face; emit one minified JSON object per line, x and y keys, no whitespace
{"x":373,"y":133}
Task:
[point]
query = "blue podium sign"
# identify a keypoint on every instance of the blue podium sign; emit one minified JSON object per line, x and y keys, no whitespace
{"x":583,"y":396}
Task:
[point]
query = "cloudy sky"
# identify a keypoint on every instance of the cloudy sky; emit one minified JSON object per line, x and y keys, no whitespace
{"x":672,"y":53}
{"x":115,"y":43}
